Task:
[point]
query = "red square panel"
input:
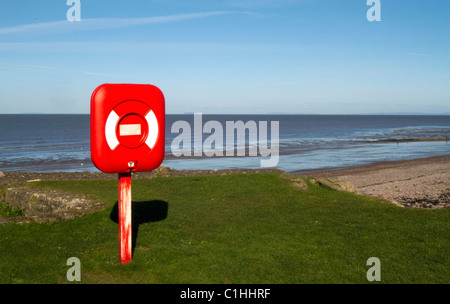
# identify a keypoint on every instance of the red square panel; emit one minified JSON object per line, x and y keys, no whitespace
{"x":127,"y":127}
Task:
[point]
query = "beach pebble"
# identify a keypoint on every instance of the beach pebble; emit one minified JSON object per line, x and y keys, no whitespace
{"x":33,"y":180}
{"x":2,"y":174}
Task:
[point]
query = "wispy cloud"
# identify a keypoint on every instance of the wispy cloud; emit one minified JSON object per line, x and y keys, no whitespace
{"x":419,"y":54}
{"x":49,"y":69}
{"x":102,"y":23}
{"x":141,"y":47}
{"x":265,"y":3}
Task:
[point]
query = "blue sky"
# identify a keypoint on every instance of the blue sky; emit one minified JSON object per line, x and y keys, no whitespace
{"x":229,"y":56}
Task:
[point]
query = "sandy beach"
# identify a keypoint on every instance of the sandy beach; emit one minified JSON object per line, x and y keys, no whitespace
{"x":414,"y":183}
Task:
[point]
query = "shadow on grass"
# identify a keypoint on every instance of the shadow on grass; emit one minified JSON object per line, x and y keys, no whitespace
{"x":142,"y":212}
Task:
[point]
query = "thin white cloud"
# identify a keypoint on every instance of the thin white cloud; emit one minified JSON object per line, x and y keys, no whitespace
{"x":141,"y":47}
{"x":419,"y":54}
{"x":101,"y":23}
{"x":49,"y":69}
{"x":265,"y":3}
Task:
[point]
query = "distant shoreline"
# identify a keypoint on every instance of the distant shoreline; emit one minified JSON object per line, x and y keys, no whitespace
{"x":268,"y":114}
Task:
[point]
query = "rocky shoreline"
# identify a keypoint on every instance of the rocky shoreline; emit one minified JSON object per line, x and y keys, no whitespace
{"x":14,"y":178}
{"x":421,"y":183}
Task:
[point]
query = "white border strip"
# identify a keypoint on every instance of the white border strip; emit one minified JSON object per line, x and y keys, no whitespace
{"x":110,"y":130}
{"x":152,"y":129}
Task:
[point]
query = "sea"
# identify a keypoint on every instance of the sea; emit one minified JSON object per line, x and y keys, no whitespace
{"x":61,"y":142}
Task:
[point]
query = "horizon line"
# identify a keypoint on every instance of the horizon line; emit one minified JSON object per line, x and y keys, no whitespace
{"x":281,"y":114}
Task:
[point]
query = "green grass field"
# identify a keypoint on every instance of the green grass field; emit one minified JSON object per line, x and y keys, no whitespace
{"x":247,"y":228}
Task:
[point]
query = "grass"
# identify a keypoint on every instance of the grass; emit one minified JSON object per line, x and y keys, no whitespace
{"x":7,"y":211}
{"x":254,"y":228}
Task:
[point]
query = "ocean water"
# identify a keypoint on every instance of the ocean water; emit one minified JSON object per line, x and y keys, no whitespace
{"x":48,"y":143}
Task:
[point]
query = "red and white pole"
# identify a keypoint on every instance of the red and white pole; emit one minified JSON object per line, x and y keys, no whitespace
{"x":125,"y":217}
